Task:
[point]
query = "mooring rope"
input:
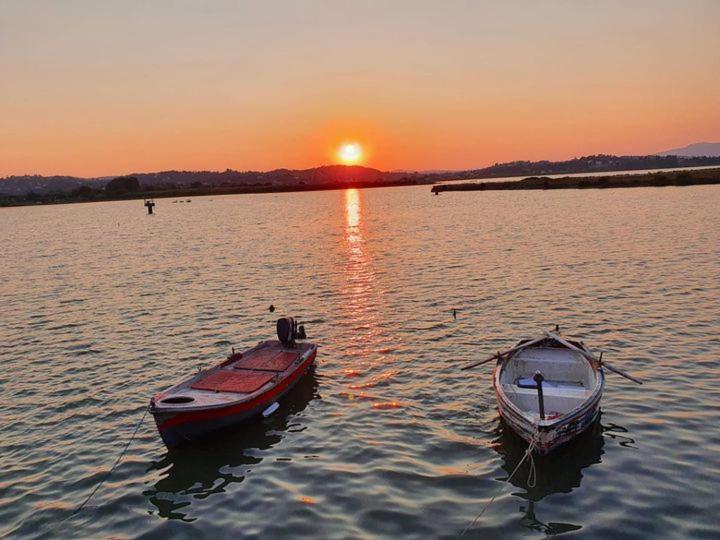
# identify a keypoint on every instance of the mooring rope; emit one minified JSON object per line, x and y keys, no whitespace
{"x":532,"y":474}
{"x":117,"y":461}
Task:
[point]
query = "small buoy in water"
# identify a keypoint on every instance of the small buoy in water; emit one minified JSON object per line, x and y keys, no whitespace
{"x":271,"y":409}
{"x":455,"y":314}
{"x":272,"y":308}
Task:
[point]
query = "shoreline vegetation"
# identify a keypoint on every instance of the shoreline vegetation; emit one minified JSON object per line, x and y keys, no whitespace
{"x":37,"y":190}
{"x":186,"y":192}
{"x":649,"y":179}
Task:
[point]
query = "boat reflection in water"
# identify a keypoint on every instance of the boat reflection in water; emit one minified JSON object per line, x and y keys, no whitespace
{"x":558,"y":472}
{"x":210,"y":465}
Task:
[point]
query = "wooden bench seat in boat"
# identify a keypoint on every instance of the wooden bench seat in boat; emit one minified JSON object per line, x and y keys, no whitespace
{"x":558,"y":399}
{"x":554,"y":364}
{"x":240,"y":382}
{"x":550,"y":390}
{"x":270,"y":359}
{"x":530,"y":383}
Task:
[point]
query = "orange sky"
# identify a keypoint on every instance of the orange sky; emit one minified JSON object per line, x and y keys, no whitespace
{"x":106,"y":88}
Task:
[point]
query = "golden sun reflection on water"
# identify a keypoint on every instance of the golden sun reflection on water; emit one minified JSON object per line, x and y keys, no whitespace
{"x":353,"y":235}
{"x":359,"y":274}
{"x":363,"y":306}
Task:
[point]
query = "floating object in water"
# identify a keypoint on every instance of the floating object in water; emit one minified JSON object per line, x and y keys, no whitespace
{"x":455,"y":314}
{"x":271,"y":409}
{"x":548,"y":389}
{"x":271,"y":308}
{"x":149,"y":204}
{"x":242,"y":387}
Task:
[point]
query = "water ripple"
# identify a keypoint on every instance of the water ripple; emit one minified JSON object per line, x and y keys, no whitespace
{"x":103,"y":306}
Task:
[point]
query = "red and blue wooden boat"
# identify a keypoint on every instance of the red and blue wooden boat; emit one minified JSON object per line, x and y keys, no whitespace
{"x":244,"y":386}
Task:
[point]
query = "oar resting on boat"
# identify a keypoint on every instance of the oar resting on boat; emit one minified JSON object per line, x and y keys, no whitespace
{"x":504,"y":353}
{"x":592,"y":357}
{"x":560,"y":340}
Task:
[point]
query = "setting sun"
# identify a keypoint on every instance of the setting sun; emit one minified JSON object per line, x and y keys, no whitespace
{"x":350,"y":153}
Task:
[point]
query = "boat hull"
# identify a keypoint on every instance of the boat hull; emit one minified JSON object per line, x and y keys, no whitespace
{"x":548,"y":436}
{"x":183,"y":427}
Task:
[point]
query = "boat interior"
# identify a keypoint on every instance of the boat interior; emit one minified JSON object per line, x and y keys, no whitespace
{"x":240,"y":375}
{"x":569,"y":380}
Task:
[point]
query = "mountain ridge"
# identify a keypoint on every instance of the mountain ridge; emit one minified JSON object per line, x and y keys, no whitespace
{"x":701,"y":149}
{"x":339,"y":176}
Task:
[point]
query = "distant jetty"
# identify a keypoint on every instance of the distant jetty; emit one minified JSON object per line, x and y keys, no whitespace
{"x":653,"y":179}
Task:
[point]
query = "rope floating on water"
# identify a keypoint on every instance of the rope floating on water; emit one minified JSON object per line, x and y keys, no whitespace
{"x":532,"y":474}
{"x":117,"y":461}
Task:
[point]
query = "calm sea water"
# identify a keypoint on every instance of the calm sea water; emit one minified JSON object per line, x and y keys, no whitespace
{"x":102,"y":306}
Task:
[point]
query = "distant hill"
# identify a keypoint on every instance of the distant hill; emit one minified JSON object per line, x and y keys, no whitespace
{"x":166,"y":180}
{"x":325,"y":177}
{"x":694,"y":150}
{"x":585,"y":164}
{"x":43,"y":185}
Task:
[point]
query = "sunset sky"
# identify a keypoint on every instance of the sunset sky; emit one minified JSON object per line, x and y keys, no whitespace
{"x":106,"y":88}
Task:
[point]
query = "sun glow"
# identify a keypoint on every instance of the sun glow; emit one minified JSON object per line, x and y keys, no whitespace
{"x":350,"y":153}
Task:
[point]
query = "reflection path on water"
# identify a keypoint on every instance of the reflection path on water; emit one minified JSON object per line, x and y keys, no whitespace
{"x":363,"y":309}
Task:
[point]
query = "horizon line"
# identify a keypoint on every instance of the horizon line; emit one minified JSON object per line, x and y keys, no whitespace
{"x":395,"y":170}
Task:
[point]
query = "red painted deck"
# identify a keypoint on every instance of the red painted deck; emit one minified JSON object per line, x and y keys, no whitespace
{"x":269,"y":359}
{"x":244,"y":382}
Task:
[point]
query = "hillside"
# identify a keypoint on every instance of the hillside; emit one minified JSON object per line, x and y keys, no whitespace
{"x":694,"y":150}
{"x":650,"y":179}
{"x":58,"y":189}
{"x":168,"y":180}
{"x":585,"y":164}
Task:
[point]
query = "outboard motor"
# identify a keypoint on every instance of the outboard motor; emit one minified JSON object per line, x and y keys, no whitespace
{"x":288,"y":331}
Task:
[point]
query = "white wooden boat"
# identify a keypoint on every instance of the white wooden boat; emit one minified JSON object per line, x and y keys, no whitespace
{"x":548,"y":390}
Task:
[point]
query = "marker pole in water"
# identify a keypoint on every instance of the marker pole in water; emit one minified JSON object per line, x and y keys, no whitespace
{"x":538,"y":378}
